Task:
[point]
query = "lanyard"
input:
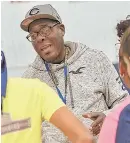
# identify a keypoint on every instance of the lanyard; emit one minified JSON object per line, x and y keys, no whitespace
{"x":55,"y":83}
{"x":66,"y":77}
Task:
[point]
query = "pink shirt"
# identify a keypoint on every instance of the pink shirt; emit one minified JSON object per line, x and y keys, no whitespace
{"x":109,"y":128}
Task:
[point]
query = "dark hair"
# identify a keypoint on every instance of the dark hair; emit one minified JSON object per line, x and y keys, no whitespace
{"x":125,"y":42}
{"x":122,"y":26}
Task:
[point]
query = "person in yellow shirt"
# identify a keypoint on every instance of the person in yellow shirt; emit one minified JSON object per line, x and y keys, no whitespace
{"x":25,"y":103}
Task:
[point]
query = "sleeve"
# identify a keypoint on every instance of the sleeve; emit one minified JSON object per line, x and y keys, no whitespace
{"x":29,"y":73}
{"x":114,"y":93}
{"x":116,"y":117}
{"x":33,"y":68}
{"x":50,"y":101}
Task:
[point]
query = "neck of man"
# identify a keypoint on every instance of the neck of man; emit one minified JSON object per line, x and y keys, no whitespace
{"x":61,"y":57}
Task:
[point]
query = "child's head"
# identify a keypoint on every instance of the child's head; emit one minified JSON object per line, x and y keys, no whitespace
{"x":124,"y":57}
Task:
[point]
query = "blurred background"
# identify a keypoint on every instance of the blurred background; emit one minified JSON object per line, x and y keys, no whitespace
{"x":91,"y":23}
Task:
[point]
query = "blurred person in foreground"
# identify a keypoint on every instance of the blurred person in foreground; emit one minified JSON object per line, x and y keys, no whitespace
{"x":121,"y":28}
{"x":116,"y":127}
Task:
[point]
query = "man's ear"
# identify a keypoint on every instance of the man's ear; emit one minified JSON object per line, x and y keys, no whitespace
{"x":62,"y":29}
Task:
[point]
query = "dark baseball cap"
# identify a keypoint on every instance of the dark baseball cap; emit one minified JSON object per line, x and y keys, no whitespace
{"x":38,"y":12}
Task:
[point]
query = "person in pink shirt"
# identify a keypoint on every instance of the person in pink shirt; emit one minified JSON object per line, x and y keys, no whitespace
{"x":116,"y":127}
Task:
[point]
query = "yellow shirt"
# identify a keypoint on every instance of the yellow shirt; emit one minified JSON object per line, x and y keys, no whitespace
{"x":28,"y":102}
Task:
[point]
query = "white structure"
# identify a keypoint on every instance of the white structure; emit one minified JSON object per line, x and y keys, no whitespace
{"x":91,"y":23}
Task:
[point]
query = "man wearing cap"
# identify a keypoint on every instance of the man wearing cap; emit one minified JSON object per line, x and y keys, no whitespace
{"x":84,"y":78}
{"x":26,"y":103}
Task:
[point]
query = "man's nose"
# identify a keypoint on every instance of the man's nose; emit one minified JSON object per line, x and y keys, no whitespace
{"x":40,"y":38}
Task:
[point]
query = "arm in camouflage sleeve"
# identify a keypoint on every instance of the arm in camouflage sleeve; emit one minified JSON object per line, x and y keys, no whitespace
{"x":32,"y":69}
{"x":29,"y":73}
{"x":114,"y":93}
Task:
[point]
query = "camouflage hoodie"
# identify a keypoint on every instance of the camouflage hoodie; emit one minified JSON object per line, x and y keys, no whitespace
{"x":96,"y":86}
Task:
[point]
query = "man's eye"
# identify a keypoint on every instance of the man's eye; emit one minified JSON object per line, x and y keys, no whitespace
{"x":33,"y":36}
{"x":42,"y":32}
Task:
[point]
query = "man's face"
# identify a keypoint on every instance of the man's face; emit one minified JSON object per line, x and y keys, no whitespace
{"x":48,"y":46}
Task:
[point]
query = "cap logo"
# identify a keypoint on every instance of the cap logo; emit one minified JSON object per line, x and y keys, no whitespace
{"x":34,"y":11}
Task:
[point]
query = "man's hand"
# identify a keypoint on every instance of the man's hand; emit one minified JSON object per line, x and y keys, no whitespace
{"x":98,"y":118}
